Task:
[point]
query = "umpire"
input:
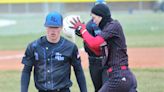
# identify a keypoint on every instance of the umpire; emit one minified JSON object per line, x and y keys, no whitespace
{"x":96,"y":69}
{"x":97,"y":73}
{"x":52,"y":57}
{"x":95,"y":66}
{"x":111,"y":44}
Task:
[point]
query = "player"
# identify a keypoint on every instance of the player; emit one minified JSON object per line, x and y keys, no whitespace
{"x":52,"y":57}
{"x":111,"y":44}
{"x":97,"y":72}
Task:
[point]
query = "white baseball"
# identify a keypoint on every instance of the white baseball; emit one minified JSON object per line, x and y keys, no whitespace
{"x":66,"y":25}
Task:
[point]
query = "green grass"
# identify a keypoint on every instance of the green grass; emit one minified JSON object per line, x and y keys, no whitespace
{"x":19,"y":42}
{"x":16,"y":42}
{"x":25,"y":24}
{"x":142,"y":29}
{"x":149,"y":80}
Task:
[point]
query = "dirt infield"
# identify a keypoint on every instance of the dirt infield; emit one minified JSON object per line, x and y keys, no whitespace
{"x":138,"y":58}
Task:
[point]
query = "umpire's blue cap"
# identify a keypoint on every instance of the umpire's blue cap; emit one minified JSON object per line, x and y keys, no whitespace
{"x":54,"y":19}
{"x":100,"y":2}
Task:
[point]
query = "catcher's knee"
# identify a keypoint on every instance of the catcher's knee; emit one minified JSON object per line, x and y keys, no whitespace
{"x":133,"y":90}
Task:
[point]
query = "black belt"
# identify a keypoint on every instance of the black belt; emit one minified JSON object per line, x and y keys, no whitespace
{"x":56,"y":90}
{"x":98,"y":57}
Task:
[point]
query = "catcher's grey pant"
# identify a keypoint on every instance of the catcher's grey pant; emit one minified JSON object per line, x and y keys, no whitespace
{"x":98,"y":76}
{"x":120,"y":81}
{"x":95,"y":68}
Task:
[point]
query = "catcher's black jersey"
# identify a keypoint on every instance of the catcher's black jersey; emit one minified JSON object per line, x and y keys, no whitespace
{"x":94,"y":30}
{"x":116,"y":43}
{"x":52,"y":63}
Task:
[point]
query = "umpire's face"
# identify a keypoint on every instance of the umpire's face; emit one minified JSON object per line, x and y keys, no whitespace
{"x":96,"y":19}
{"x":53,"y":34}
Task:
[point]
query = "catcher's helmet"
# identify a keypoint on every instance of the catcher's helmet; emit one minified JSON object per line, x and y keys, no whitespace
{"x":54,"y":19}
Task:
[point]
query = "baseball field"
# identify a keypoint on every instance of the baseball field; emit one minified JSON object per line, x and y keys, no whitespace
{"x":144,"y":34}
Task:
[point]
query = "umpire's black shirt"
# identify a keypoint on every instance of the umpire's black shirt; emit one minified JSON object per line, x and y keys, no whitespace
{"x":52,"y":64}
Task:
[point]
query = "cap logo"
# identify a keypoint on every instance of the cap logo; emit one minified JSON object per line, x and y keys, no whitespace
{"x":53,"y":19}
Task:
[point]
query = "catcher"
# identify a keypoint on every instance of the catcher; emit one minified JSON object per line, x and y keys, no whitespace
{"x":97,"y":72}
